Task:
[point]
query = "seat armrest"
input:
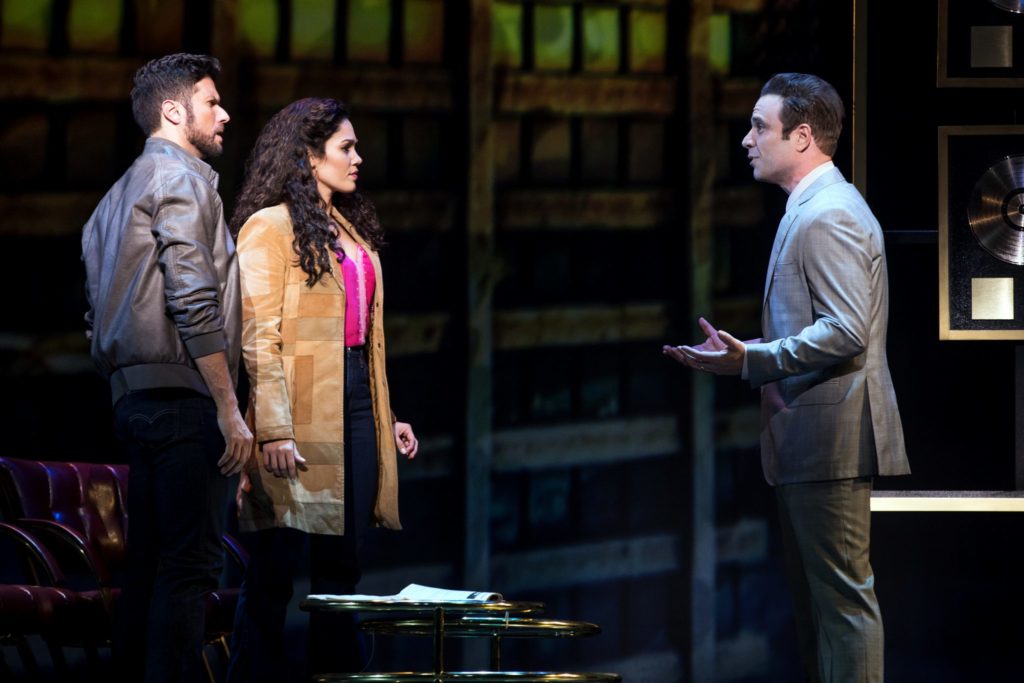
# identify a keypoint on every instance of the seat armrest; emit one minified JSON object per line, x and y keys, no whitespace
{"x":235,"y":550}
{"x":43,"y":563}
{"x":64,"y":541}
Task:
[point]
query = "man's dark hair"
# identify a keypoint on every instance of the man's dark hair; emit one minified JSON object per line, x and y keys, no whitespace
{"x":811,"y":100}
{"x":168,"y":78}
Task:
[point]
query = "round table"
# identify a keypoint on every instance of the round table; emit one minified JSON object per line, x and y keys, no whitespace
{"x":494,"y":619}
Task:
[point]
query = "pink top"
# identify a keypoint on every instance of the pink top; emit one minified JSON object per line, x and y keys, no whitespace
{"x":360,"y":281}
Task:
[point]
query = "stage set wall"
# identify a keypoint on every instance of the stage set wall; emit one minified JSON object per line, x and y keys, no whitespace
{"x":563,"y":190}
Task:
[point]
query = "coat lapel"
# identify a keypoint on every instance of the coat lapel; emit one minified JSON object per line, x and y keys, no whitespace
{"x":780,"y":238}
{"x":789,"y":220}
{"x":339,"y":278}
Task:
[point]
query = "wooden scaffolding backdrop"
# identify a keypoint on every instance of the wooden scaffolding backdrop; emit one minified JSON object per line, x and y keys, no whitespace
{"x":546,"y":192}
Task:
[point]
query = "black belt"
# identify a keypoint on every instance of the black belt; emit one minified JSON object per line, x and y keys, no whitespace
{"x":355,"y":349}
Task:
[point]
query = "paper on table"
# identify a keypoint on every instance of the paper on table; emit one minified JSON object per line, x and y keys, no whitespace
{"x":417,"y":593}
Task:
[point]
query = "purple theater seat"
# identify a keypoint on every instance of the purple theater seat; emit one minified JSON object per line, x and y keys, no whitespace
{"x":79,"y":512}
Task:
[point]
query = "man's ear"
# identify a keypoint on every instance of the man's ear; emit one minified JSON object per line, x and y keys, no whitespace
{"x":804,"y":137}
{"x":173,"y":111}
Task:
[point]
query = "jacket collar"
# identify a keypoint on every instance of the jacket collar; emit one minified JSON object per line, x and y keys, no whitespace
{"x":830,"y":177}
{"x":166,"y":147}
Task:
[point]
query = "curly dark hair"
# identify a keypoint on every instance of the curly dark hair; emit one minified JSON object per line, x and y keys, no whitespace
{"x":278,"y":171}
{"x":172,"y":77}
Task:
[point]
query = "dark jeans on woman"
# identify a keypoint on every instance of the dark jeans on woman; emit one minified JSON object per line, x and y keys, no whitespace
{"x":177,"y":503}
{"x":257,"y":646}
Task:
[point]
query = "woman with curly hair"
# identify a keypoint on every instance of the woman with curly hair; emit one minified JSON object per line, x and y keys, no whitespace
{"x":324,"y":467}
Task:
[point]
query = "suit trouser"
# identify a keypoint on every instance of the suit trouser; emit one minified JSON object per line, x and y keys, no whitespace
{"x":177,"y":509}
{"x":826,"y":532}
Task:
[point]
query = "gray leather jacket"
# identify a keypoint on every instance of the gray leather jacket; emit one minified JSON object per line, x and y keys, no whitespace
{"x":162,"y":276}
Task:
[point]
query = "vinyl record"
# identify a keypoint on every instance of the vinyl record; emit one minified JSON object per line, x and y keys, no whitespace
{"x":996,"y":211}
{"x":1009,"y":5}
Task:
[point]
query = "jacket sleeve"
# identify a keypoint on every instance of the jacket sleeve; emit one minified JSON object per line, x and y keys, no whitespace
{"x":837,"y":260}
{"x":90,"y":284}
{"x":264,"y":257}
{"x":185,"y":226}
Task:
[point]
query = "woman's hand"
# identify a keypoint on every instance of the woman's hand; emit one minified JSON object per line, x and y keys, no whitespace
{"x":282,"y":459}
{"x":406,"y":440}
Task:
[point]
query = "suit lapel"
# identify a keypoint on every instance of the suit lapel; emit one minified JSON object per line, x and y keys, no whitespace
{"x":831,"y":177}
{"x":780,"y":238}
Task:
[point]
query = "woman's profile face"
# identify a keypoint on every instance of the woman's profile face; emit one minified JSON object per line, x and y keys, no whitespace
{"x":338,"y":169}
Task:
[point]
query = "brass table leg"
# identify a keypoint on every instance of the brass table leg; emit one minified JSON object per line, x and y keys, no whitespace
{"x":438,"y":643}
{"x":495,"y":653}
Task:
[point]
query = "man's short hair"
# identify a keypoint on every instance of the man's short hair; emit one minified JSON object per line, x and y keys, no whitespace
{"x":168,"y":78}
{"x":811,"y":100}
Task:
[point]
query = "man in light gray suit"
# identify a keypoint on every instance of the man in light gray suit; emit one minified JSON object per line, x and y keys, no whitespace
{"x":829,"y":421}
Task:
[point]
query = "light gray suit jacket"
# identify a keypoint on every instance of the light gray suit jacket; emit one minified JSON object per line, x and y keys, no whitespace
{"x":828,"y":409}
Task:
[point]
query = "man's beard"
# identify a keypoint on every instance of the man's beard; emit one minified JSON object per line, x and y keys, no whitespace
{"x":206,"y":143}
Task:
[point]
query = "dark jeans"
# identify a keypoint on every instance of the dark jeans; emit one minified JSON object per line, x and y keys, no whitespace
{"x":177,"y":500}
{"x":257,"y":646}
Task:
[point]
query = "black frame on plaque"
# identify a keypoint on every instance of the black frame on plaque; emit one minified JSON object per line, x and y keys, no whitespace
{"x":956,"y":20}
{"x":965,"y":153}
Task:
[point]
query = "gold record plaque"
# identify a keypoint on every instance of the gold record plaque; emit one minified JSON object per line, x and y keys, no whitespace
{"x":1015,"y":6}
{"x":981,"y":232}
{"x":978,"y":44}
{"x":996,"y":211}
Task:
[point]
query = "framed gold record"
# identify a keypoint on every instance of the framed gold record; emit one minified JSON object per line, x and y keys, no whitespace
{"x":979,"y":44}
{"x":981,"y":232}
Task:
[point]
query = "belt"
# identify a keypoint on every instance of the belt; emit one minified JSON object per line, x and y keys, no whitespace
{"x":355,"y":349}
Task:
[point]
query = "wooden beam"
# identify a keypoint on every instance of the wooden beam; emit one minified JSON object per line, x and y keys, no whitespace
{"x":570,"y":565}
{"x":411,"y":334}
{"x":656,"y":666}
{"x":736,"y":97}
{"x":224,"y":46}
{"x":567,"y":326}
{"x":60,"y":214}
{"x":366,"y":87}
{"x":740,"y":315}
{"x":439,"y":462}
{"x":745,"y":656}
{"x":572,"y":209}
{"x":738,"y":6}
{"x":481,"y":279}
{"x":700,"y":143}
{"x":85,"y":78}
{"x":572,"y":444}
{"x":583,"y":444}
{"x":49,"y":214}
{"x":404,"y":210}
{"x":422,"y":333}
{"x":522,"y":92}
{"x":740,"y":206}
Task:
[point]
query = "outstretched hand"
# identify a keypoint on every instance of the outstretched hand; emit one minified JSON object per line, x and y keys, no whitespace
{"x":720,"y":353}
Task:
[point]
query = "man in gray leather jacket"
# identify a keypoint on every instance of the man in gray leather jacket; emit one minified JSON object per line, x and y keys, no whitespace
{"x":164,"y":324}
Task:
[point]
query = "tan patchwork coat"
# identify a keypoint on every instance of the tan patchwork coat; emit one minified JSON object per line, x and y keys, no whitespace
{"x":293,"y":343}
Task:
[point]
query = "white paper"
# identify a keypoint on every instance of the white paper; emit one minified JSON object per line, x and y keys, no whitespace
{"x":417,"y":593}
